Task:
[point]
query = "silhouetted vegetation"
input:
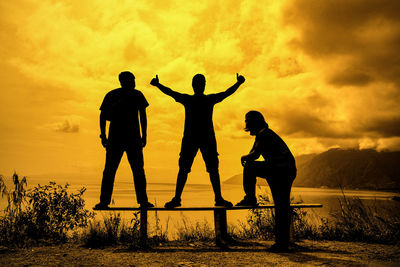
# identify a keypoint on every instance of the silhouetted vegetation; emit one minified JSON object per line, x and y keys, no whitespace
{"x":355,"y":221}
{"x":260,"y":222}
{"x":42,"y":214}
{"x":49,"y":214}
{"x":112,"y":230}
{"x":200,"y":231}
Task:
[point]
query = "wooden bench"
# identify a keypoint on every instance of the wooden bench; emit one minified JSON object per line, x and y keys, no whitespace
{"x":220,"y":221}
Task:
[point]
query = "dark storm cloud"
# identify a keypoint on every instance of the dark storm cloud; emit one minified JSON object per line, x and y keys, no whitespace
{"x":350,"y":77}
{"x":365,"y":33}
{"x":307,"y":117}
{"x":302,"y":123}
{"x":385,"y":126}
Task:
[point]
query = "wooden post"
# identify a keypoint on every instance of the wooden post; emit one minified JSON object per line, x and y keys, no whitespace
{"x":143,"y":228}
{"x":221,"y":231}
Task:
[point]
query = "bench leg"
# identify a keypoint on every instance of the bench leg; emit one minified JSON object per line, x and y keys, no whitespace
{"x":143,"y":228}
{"x":221,"y":232}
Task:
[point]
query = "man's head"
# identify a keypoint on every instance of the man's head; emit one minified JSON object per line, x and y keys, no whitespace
{"x":254,"y":122}
{"x":199,"y":83}
{"x":127,"y":80}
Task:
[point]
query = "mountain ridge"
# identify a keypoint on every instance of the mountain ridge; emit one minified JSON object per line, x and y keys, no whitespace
{"x":347,"y":168}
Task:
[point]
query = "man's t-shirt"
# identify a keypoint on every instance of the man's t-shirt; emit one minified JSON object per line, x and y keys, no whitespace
{"x":273,"y":149}
{"x":198,"y":114}
{"x":121,"y":107}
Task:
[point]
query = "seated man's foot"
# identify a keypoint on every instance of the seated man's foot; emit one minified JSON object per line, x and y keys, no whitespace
{"x":146,"y":205}
{"x":175,"y":202}
{"x":222,"y":244}
{"x":100,"y":206}
{"x":223,"y":203}
{"x":278,"y":248}
{"x":247,"y":202}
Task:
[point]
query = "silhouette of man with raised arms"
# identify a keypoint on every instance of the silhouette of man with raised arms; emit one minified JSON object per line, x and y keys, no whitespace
{"x":122,"y":107}
{"x":279,"y":169}
{"x":198,"y":134}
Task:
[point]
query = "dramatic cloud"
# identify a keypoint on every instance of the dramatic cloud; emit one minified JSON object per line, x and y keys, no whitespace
{"x":324,"y":73}
{"x":353,"y":46}
{"x":350,"y":77}
{"x":364,"y":34}
{"x":384,"y":126}
{"x":362,"y":38}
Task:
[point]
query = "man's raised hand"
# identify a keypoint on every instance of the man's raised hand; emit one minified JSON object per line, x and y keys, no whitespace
{"x":240,"y":78}
{"x":155,"y":81}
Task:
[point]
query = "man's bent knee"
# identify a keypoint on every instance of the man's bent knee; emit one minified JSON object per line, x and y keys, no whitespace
{"x":248,"y":169}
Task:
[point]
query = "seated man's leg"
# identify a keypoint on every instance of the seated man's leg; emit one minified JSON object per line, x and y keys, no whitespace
{"x":135,"y":158}
{"x":113,"y":158}
{"x":280,"y":184}
{"x":250,"y":173}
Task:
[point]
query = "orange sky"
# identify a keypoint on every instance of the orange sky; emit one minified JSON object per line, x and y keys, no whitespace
{"x":324,"y":73}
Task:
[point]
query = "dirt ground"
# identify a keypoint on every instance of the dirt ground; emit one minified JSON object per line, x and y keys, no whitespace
{"x":309,"y":253}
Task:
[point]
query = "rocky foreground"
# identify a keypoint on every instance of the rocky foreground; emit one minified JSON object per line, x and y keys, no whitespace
{"x":331,"y":253}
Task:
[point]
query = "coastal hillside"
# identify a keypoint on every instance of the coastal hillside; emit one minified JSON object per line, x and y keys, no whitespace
{"x":349,"y":168}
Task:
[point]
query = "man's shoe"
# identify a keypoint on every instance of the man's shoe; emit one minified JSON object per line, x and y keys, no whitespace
{"x":174,"y":203}
{"x":278,"y":248}
{"x":146,"y":205}
{"x":100,"y":206}
{"x":247,"y":202}
{"x":223,"y":203}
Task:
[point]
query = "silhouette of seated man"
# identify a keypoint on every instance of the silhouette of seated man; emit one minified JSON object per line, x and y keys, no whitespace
{"x":279,"y":169}
{"x":122,"y":107}
{"x":198,"y":134}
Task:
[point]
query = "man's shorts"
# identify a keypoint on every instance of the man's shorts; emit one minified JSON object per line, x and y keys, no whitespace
{"x":208,"y":149}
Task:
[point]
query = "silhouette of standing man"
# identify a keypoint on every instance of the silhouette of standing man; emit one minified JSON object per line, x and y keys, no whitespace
{"x":279,"y":169}
{"x":121,"y":107}
{"x":198,"y":134}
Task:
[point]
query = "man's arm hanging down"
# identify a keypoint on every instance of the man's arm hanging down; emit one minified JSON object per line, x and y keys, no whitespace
{"x":143,"y":123}
{"x":103,"y":123}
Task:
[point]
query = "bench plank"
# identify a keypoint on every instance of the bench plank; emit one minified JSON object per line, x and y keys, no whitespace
{"x":270,"y":206}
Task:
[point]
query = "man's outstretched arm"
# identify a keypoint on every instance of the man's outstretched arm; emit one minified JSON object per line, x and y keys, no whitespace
{"x":239,"y":80}
{"x":155,"y":82}
{"x":143,"y":123}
